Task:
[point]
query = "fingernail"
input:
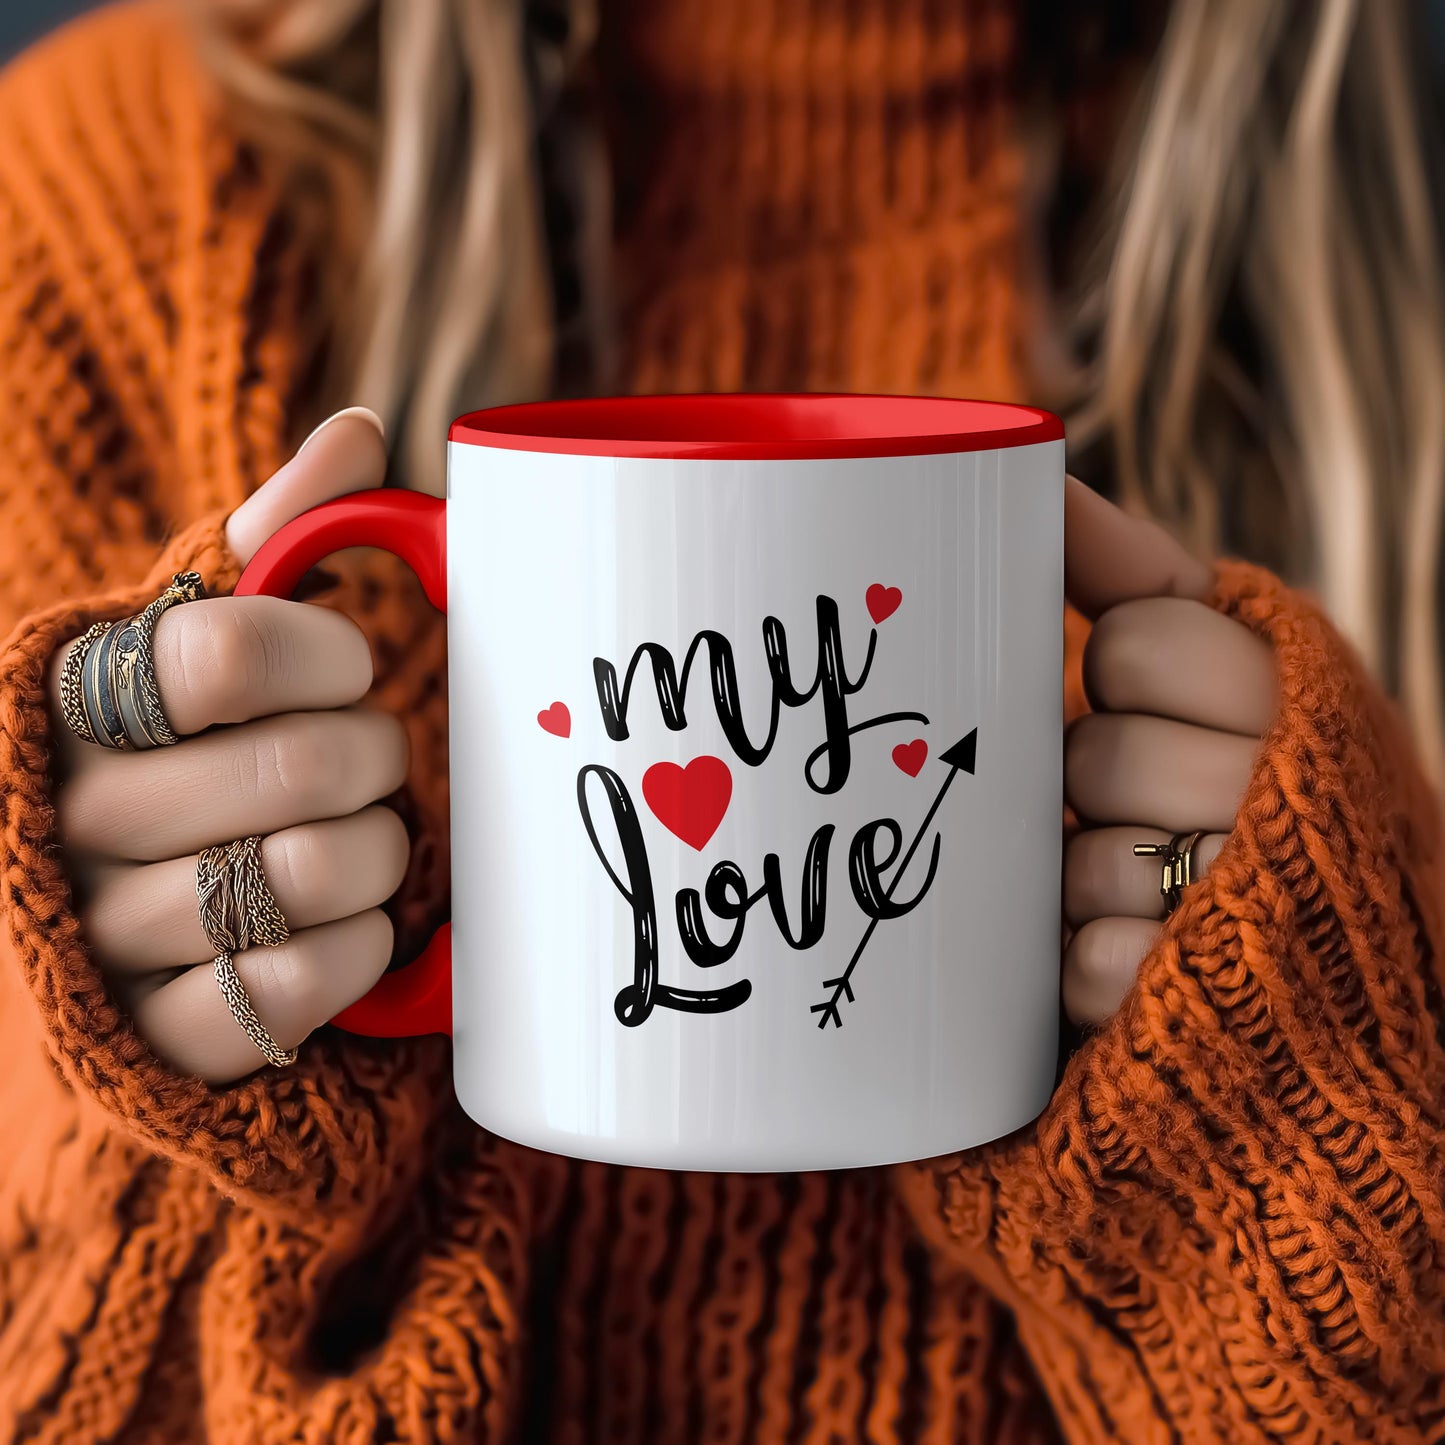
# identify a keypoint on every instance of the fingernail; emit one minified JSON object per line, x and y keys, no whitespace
{"x":362,"y":411}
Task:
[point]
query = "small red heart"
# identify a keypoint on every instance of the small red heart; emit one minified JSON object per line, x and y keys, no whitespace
{"x":882,"y":601}
{"x":556,"y":720}
{"x":690,"y":801}
{"x":910,"y":757}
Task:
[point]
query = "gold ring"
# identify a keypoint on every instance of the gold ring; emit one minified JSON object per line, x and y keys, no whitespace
{"x":237,"y":906}
{"x":1176,"y":871}
{"x":239,"y":1002}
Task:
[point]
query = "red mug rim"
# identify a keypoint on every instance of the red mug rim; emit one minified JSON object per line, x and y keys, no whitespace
{"x":758,"y":426}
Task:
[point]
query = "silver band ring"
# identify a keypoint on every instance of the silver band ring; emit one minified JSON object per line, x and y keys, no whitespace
{"x":95,"y":691}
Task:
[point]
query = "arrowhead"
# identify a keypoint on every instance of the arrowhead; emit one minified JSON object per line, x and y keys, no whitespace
{"x":963,"y":754}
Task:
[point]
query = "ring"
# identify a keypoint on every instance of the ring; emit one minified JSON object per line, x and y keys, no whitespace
{"x":239,"y":1002}
{"x":95,"y":691}
{"x":1176,"y":865}
{"x":139,"y":637}
{"x":238,"y":909}
{"x":71,"y":705}
{"x":125,"y":672}
{"x":108,"y":689}
{"x":237,"y":906}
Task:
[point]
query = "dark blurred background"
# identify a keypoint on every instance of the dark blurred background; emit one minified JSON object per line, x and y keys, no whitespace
{"x":22,"y":20}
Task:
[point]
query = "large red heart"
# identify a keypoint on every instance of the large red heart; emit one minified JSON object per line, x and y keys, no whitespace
{"x":910,"y":757}
{"x":689,"y":801}
{"x":556,"y":720}
{"x":882,"y":601}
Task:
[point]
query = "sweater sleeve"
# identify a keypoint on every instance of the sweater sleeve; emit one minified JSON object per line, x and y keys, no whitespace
{"x":344,"y":1122}
{"x":143,"y":373}
{"x":1229,"y":1223}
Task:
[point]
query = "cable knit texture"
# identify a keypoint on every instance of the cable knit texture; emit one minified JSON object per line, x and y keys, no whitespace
{"x":1227,"y":1226}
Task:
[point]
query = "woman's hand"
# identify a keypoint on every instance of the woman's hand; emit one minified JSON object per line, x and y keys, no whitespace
{"x":263,"y":692}
{"x":1181,"y":696}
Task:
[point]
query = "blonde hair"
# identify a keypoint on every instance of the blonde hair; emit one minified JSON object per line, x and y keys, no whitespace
{"x":403,"y":131}
{"x":1275,"y":167}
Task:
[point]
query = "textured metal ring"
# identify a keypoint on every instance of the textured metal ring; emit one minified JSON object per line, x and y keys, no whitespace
{"x":239,"y":1002}
{"x":1176,"y":870}
{"x":127,"y":668}
{"x":184,"y":587}
{"x":237,"y":907}
{"x":72,"y":706}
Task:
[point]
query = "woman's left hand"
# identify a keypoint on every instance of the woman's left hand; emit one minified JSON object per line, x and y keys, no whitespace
{"x":1181,"y":697}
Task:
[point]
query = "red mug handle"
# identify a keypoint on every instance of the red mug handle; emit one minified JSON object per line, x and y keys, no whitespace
{"x":416,"y":999}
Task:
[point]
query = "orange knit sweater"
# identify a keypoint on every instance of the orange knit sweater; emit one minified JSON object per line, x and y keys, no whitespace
{"x":1228,"y":1225}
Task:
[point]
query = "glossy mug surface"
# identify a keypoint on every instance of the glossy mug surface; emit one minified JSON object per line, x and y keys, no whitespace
{"x":755,"y":712}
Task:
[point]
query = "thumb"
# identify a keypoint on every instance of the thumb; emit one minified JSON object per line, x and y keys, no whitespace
{"x":1112,"y":557}
{"x":346,"y":453}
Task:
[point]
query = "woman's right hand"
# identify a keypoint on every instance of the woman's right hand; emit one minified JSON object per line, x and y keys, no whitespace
{"x":263,"y":694}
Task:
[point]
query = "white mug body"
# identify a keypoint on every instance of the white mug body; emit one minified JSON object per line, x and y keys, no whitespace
{"x":756,"y":800}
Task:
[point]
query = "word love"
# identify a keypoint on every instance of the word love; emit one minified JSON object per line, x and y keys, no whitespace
{"x":874,"y":848}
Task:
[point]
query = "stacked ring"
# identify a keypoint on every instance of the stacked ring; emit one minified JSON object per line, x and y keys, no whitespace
{"x":237,"y":906}
{"x":108,"y":689}
{"x":237,"y":910}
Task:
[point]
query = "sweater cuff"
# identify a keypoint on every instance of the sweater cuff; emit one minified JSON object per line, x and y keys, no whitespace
{"x":342,"y":1122}
{"x":1233,"y":1208}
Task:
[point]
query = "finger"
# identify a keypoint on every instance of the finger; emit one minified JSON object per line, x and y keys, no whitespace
{"x":147,"y":919}
{"x":256,"y":778}
{"x":1180,"y":659}
{"x":294,"y":989}
{"x":231,"y":659}
{"x":1100,"y":966}
{"x":346,"y":453}
{"x":1104,"y":878}
{"x":1111,"y":557}
{"x":1125,"y":767}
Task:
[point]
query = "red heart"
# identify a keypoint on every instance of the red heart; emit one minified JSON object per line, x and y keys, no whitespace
{"x":882,"y":601}
{"x":690,"y":801}
{"x":556,"y":720}
{"x":911,"y":756}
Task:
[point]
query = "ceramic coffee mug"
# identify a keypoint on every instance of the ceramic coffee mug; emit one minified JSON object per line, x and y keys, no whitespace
{"x":755,"y":772}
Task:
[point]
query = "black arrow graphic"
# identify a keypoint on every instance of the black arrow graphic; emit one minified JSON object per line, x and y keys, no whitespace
{"x":961,"y":757}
